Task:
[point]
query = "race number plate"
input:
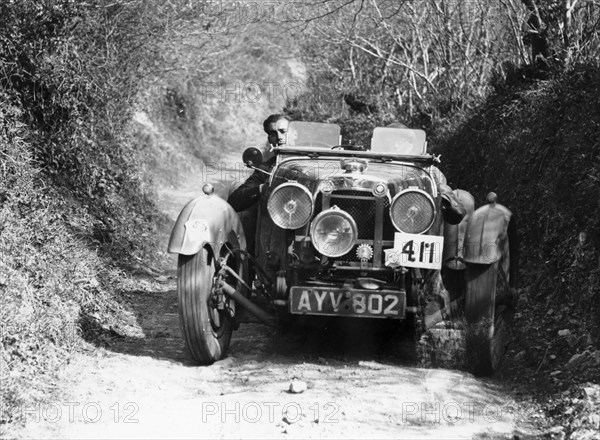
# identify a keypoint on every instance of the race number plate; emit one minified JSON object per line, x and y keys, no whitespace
{"x":413,"y":250}
{"x":346,"y":302}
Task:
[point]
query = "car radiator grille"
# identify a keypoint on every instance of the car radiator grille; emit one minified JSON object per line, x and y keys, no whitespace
{"x":362,"y":206}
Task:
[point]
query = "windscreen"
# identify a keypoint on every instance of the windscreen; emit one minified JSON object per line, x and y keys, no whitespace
{"x":404,"y":141}
{"x":313,"y":134}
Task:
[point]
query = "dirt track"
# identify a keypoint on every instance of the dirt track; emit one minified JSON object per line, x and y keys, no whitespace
{"x":147,"y":387}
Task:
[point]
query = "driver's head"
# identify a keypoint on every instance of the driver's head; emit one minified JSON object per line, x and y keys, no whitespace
{"x":276,"y":127}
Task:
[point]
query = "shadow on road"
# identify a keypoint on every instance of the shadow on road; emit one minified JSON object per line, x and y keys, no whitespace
{"x":158,"y":335}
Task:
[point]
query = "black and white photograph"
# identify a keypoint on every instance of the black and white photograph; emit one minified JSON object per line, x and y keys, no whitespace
{"x":313,"y":219}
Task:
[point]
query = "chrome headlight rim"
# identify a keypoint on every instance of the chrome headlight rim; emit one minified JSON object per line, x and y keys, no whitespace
{"x":305,"y":190}
{"x":427,"y":196}
{"x":346,"y":216}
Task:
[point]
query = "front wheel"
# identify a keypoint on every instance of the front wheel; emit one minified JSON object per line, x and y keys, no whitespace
{"x":205,"y":325}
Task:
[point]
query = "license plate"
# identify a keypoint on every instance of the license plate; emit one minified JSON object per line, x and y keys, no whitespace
{"x":355,"y":302}
{"x":413,"y":250}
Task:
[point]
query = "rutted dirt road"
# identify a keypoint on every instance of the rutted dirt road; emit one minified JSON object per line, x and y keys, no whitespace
{"x":147,"y":387}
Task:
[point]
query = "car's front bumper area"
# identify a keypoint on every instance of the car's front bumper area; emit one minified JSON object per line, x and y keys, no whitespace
{"x":344,"y":301}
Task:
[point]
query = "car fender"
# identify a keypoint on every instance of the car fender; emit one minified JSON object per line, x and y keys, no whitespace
{"x":206,"y":220}
{"x":454,"y":235}
{"x":486,"y":227}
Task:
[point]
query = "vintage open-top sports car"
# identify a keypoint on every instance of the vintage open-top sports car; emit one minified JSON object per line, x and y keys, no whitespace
{"x":352,"y":232}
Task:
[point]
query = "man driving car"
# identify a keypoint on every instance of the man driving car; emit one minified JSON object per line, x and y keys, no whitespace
{"x":248,"y":193}
{"x":245,"y":198}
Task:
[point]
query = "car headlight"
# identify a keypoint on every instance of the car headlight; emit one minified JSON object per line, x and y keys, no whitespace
{"x":333,"y":232}
{"x":412,"y":211}
{"x":290,"y":205}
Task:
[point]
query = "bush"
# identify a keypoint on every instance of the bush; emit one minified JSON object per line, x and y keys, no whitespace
{"x":72,"y":202}
{"x":535,"y":145}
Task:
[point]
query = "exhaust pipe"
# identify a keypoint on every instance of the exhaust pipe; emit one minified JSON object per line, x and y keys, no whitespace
{"x":248,"y":305}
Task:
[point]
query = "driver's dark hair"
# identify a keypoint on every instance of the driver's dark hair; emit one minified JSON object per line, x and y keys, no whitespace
{"x":273,"y":119}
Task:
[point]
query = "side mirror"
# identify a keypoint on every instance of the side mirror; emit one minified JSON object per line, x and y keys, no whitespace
{"x":252,"y":157}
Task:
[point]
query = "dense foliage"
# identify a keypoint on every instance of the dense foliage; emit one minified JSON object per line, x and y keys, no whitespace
{"x":73,"y":204}
{"x":408,"y":61}
{"x":429,"y":63}
{"x":98,"y":101}
{"x":536,"y":145}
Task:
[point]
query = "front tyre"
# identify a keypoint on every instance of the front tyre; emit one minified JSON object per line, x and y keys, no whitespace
{"x":206,"y":327}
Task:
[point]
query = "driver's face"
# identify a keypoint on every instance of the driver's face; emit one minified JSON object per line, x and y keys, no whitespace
{"x":277,"y":132}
